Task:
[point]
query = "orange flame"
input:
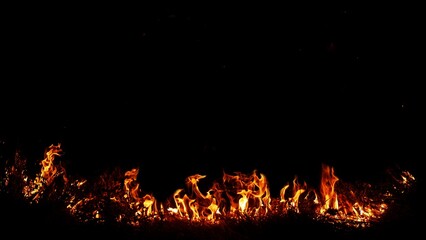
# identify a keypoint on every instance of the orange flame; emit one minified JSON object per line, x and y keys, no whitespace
{"x":145,"y":205}
{"x":197,"y":206}
{"x":254,"y":191}
{"x":239,"y":194}
{"x":329,"y":196}
{"x":292,"y":202}
{"x":236,"y":196}
{"x":49,"y":171}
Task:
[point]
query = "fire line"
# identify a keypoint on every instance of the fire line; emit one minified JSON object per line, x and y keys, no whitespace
{"x":117,"y":196}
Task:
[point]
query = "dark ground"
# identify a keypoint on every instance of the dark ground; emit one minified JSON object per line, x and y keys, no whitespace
{"x":179,"y":90}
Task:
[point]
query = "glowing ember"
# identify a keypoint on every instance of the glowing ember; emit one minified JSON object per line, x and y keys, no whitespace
{"x":117,"y":196}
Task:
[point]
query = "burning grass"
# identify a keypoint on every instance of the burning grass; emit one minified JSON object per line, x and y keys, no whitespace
{"x":234,"y":207}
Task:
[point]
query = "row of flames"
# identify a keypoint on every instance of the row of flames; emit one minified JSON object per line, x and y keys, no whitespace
{"x":118,"y":197}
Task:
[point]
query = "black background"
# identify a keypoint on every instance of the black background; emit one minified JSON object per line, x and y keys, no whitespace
{"x":183,"y":89}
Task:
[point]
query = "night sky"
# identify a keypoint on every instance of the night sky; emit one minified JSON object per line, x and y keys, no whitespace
{"x":183,"y":89}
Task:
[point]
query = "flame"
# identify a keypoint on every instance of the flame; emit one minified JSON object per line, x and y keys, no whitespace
{"x":292,"y":202}
{"x":185,"y":205}
{"x":329,"y":196}
{"x":196,"y":206}
{"x":118,"y":197}
{"x":48,"y":172}
{"x":237,"y":195}
{"x":248,"y":194}
{"x":350,"y":205}
{"x":145,"y":206}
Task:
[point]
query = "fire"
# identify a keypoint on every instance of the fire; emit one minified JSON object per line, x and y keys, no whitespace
{"x":248,"y":194}
{"x":351,"y":204}
{"x":144,"y":206}
{"x":236,"y":195}
{"x":49,"y":171}
{"x":117,"y":196}
{"x":196,"y":206}
{"x":328,"y":194}
{"x":292,"y":202}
